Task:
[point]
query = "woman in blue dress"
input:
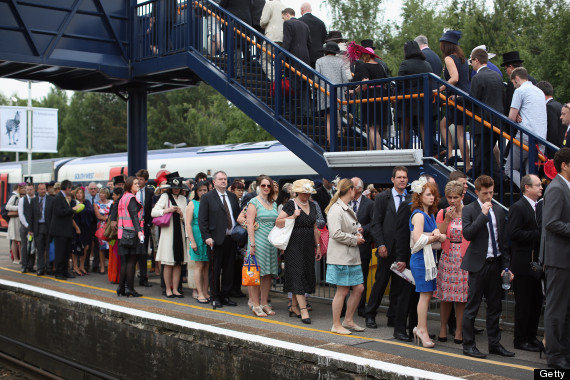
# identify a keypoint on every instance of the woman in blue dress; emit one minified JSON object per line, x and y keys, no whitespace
{"x":424,"y":233}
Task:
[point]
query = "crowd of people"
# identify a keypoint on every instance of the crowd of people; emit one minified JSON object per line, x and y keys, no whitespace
{"x":197,"y":231}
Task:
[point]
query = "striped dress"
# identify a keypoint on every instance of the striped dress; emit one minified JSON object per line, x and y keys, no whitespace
{"x":265,"y":252}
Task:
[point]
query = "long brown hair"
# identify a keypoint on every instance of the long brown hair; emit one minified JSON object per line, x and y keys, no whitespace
{"x":344,"y":185}
{"x":447,"y":48}
{"x":272,"y":196}
{"x":417,"y":198}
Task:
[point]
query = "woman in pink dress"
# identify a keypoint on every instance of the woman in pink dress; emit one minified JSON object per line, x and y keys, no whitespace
{"x":451,"y":279}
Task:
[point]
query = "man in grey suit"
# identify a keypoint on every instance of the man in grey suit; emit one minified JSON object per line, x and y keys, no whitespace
{"x":554,"y":253}
{"x":363,"y":207}
{"x":486,"y":259}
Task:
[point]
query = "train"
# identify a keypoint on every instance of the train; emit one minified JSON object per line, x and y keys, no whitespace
{"x":244,"y":160}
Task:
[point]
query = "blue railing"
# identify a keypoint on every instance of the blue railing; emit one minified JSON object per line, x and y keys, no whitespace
{"x":392,"y":113}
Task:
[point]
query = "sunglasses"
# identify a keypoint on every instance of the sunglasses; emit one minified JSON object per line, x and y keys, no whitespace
{"x":264,"y":186}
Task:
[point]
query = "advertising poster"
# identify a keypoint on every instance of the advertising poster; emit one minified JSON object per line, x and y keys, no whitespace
{"x":44,"y":130}
{"x":13,"y":129}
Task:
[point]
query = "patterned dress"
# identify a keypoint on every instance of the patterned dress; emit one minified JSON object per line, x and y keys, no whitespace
{"x":299,"y":256}
{"x":417,"y":264}
{"x":104,"y":210}
{"x":451,"y":279}
{"x":201,"y":254}
{"x":265,"y":253}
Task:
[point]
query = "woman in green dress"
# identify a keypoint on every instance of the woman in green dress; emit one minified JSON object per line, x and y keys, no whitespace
{"x":198,"y":252}
{"x":262,"y":210}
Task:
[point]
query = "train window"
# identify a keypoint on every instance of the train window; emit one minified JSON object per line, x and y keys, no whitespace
{"x":236,"y":147}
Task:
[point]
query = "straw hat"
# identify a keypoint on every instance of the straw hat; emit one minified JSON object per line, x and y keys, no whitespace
{"x":304,"y":186}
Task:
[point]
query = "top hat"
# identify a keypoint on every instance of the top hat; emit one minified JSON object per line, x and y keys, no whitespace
{"x":335,"y":36}
{"x":175,"y":181}
{"x":451,"y":36}
{"x":367,"y":44}
{"x":511,"y":57}
{"x":118,"y":179}
{"x":331,"y":47}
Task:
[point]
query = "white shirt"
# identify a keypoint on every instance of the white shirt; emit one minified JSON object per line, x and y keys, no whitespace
{"x":565,"y":180}
{"x":532,"y":203}
{"x":490,"y":245}
{"x":397,"y":199}
{"x":21,"y":210}
{"x":225,"y":195}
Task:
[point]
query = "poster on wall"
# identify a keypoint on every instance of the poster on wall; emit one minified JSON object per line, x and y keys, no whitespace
{"x":13,"y":129}
{"x":44,"y":130}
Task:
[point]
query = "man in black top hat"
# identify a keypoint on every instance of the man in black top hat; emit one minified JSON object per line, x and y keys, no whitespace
{"x":511,"y":61}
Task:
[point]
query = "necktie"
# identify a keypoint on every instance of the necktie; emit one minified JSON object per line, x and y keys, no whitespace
{"x":401,"y":197}
{"x":228,"y":216}
{"x":355,"y":206}
{"x":42,"y":208}
{"x":492,"y":230}
{"x":142,"y":200}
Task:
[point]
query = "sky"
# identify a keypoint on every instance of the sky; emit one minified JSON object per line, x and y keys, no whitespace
{"x":12,"y":87}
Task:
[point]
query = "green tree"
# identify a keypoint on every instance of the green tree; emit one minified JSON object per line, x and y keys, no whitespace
{"x":357,"y":19}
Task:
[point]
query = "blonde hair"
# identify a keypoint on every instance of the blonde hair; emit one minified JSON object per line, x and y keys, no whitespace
{"x":454,"y":187}
{"x":343,"y":186}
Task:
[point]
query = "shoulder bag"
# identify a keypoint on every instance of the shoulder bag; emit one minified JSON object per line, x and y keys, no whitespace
{"x":164,"y":220}
{"x":279,"y":237}
{"x":129,"y":239}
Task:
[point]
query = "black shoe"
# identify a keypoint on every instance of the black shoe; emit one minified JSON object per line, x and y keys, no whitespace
{"x":69,"y":275}
{"x":170,"y":295}
{"x":536,"y":342}
{"x":442,"y":338}
{"x":61,"y":277}
{"x":178,"y":295}
{"x":477,"y":330}
{"x":500,"y":350}
{"x":163,"y":292}
{"x":474,"y":352}
{"x":132,"y":293}
{"x":24,"y":270}
{"x":371,"y":323}
{"x":402,"y":337}
{"x":237,"y":294}
{"x":228,"y":302}
{"x":145,"y":283}
{"x":527,"y":346}
{"x":120,"y":292}
{"x":40,"y":273}
{"x":432,"y":336}
{"x":390,"y":322}
{"x":216,"y":304}
{"x":457,"y":341}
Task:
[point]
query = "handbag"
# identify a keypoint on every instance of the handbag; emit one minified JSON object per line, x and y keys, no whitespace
{"x":110,"y":233}
{"x":536,"y":269}
{"x":100,"y":233}
{"x":324,"y":240}
{"x":239,"y":234}
{"x":279,"y":237}
{"x":434,"y":246}
{"x":164,"y":220}
{"x":129,"y":239}
{"x":250,"y":272}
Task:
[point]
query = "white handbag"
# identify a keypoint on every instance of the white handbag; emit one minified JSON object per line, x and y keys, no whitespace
{"x":279,"y":237}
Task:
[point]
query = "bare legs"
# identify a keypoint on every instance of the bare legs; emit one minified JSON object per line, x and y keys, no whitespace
{"x":405,"y":134}
{"x":374,"y":139}
{"x":421,"y":331}
{"x":259,"y":295}
{"x":337,"y":304}
{"x":82,"y":259}
{"x":460,"y":136}
{"x":201,"y":279}
{"x":300,"y":302}
{"x":329,"y":125}
{"x":16,"y":250}
{"x":172,"y":279}
{"x":102,"y":260}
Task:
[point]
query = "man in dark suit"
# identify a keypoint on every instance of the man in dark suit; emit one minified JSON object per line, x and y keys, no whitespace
{"x":242,"y":10}
{"x":431,"y":56}
{"x":318,"y":32}
{"x":324,"y":195}
{"x":554,"y":254}
{"x":523,"y":229}
{"x":555,"y":130}
{"x":61,"y":229}
{"x":42,"y":209}
{"x":487,"y":87}
{"x":391,"y":233}
{"x":145,"y":195}
{"x":296,"y":36}
{"x":25,"y":216}
{"x":486,"y":259}
{"x":217,"y":216}
{"x":363,"y":207}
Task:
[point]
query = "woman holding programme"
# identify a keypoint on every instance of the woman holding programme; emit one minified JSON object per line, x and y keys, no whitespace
{"x":422,"y":263}
{"x":300,"y":253}
{"x":343,"y":257}
{"x":198,"y":249}
{"x":262,"y":211}
{"x":130,"y":219}
{"x":172,"y":251}
{"x":451,"y":279}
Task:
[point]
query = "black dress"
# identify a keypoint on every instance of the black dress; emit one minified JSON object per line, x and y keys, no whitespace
{"x":374,"y":113}
{"x":300,"y":253}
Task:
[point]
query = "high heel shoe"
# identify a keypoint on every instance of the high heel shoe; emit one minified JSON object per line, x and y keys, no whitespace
{"x":292,"y":312}
{"x":418,"y":338}
{"x":132,"y":293}
{"x":258,"y":311}
{"x":306,"y":321}
{"x":120,"y":292}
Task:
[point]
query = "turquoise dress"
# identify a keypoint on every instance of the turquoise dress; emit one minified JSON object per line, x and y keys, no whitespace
{"x":265,"y":252}
{"x":201,"y":254}
{"x":417,"y":265}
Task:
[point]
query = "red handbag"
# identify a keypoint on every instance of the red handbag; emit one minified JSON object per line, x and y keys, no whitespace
{"x":284,"y":86}
{"x":324,"y":240}
{"x":100,"y":233}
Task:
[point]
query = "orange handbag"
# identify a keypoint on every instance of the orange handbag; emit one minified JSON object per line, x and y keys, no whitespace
{"x":250,"y":272}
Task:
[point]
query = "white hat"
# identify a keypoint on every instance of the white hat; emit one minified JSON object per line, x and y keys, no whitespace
{"x":484,"y":47}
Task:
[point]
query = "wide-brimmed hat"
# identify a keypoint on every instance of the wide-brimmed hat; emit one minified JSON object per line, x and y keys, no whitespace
{"x":331,"y":47}
{"x":367,"y":44}
{"x":511,"y":57}
{"x":549,"y":169}
{"x":304,"y":186}
{"x":355,"y":50}
{"x":175,"y":181}
{"x":486,"y":48}
{"x":452,"y":36}
{"x":335,"y":36}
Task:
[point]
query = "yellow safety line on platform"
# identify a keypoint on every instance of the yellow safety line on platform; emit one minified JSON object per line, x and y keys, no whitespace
{"x":265,"y":320}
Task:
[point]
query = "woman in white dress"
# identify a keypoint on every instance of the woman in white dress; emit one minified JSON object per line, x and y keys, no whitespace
{"x":14,"y":222}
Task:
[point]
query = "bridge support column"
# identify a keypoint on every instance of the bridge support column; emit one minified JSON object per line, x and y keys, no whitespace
{"x":137,"y":144}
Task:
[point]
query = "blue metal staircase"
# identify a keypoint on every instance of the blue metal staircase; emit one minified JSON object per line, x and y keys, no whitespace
{"x":134,"y":49}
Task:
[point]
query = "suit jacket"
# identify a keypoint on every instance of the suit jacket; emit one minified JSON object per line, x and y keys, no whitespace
{"x":434,"y":61}
{"x":556,"y":225}
{"x":297,"y":39}
{"x":475,"y":230}
{"x":555,"y":130}
{"x":487,"y":86}
{"x":62,"y":217}
{"x":27,"y":209}
{"x":390,"y":227}
{"x":364,"y":215}
{"x":212,"y":215}
{"x":37,"y":213}
{"x":323,"y":198}
{"x":524,"y":233}
{"x":318,"y":32}
{"x":240,"y":8}
{"x":147,"y":207}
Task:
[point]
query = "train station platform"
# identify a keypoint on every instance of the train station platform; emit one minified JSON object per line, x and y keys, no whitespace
{"x":169,"y":337}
